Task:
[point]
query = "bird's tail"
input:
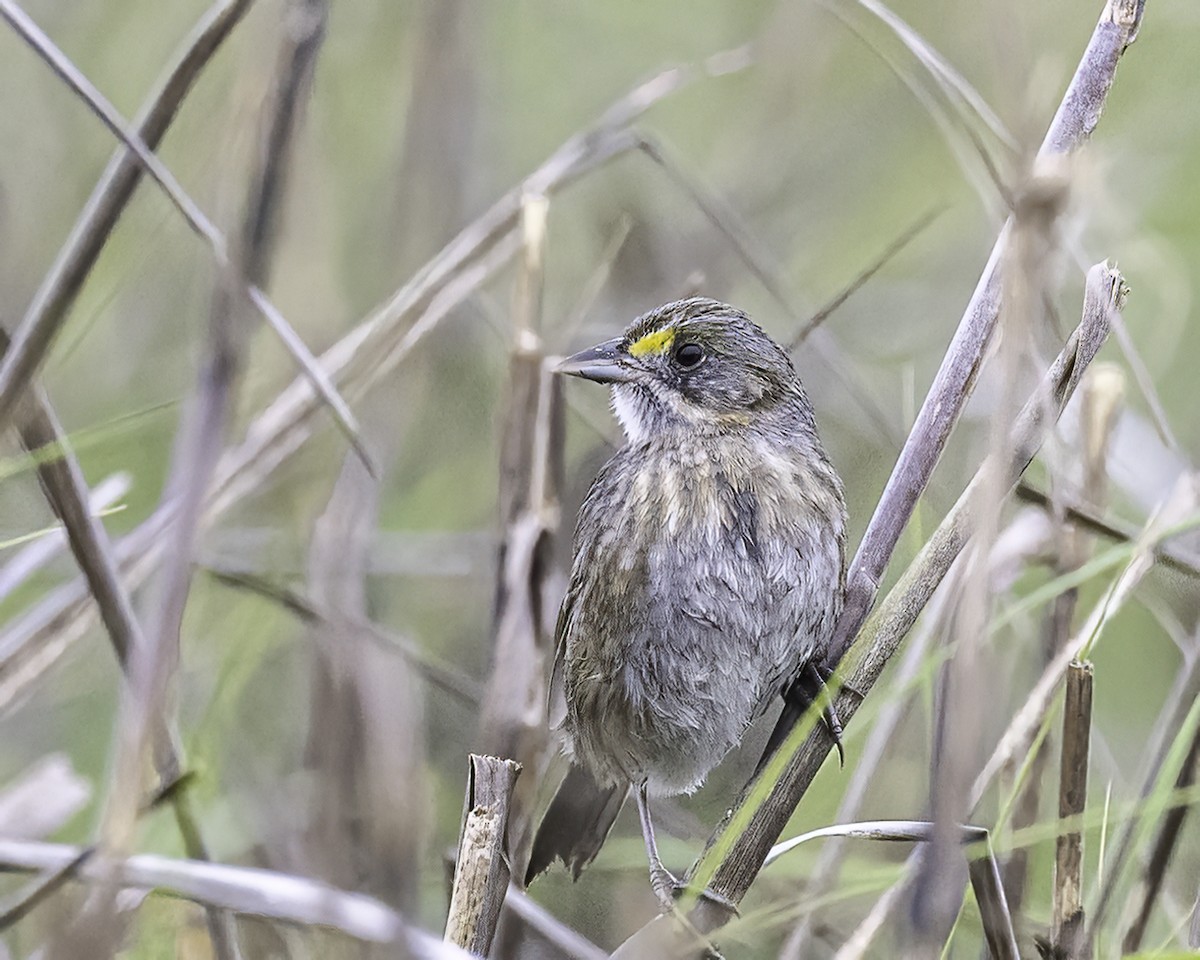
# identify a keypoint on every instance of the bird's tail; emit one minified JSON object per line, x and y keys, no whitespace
{"x":577,"y":823}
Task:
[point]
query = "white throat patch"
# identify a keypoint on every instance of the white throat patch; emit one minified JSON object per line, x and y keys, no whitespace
{"x":631,"y":412}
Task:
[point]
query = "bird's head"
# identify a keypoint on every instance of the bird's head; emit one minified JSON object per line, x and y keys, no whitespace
{"x":697,"y":365}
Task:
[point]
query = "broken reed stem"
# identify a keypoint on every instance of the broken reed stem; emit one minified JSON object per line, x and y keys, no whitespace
{"x":482,"y":869}
{"x":1067,"y":922}
{"x":994,"y":914}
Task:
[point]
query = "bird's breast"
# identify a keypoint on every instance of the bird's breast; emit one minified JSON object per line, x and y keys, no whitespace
{"x":712,"y":490}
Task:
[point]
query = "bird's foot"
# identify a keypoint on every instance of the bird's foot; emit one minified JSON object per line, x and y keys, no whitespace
{"x":814,"y":683}
{"x":668,"y":890}
{"x":666,"y":886}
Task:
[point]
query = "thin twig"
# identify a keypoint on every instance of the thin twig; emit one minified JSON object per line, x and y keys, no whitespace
{"x":910,"y":233}
{"x":41,"y":889}
{"x":1117,"y":531}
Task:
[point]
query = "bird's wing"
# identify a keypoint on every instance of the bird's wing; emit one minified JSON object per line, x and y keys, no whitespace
{"x":556,"y":700}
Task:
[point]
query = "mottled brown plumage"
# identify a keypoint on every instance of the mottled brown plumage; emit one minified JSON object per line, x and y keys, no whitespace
{"x":708,"y":567}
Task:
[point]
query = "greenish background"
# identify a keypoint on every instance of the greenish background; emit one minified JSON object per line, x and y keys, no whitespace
{"x":421,"y":115}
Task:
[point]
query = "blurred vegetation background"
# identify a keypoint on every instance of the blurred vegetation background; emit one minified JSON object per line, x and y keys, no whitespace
{"x":422,"y":113}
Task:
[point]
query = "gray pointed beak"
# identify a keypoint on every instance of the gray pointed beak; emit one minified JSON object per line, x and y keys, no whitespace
{"x":604,"y":363}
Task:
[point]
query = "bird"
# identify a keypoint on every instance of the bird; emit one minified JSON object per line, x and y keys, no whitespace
{"x":708,"y":565}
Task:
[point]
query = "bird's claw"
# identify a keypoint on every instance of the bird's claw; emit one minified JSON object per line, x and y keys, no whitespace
{"x":814,"y":683}
{"x":666,"y":887}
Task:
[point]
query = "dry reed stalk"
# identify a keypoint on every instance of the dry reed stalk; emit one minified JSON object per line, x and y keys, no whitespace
{"x":1074,"y":122}
{"x":1077,"y":116}
{"x":512,"y":720}
{"x":739,"y":857}
{"x":153,"y":664}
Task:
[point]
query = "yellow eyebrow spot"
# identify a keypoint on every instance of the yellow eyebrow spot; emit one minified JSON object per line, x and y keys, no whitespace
{"x":658,"y":341}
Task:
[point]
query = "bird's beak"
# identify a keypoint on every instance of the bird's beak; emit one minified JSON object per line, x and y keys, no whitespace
{"x":604,"y":363}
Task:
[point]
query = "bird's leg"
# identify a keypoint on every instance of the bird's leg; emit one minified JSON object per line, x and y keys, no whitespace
{"x":661,"y":879}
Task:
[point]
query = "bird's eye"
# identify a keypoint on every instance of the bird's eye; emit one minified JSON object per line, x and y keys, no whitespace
{"x":689,"y":355}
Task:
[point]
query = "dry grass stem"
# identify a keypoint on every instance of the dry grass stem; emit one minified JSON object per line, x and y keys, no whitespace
{"x":983,"y":870}
{"x":1173,"y":555}
{"x":63,"y":483}
{"x":1177,"y":724}
{"x":445,"y":677}
{"x":1022,"y":729}
{"x":542,"y":924}
{"x":1013,"y":549}
{"x":34,"y":556}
